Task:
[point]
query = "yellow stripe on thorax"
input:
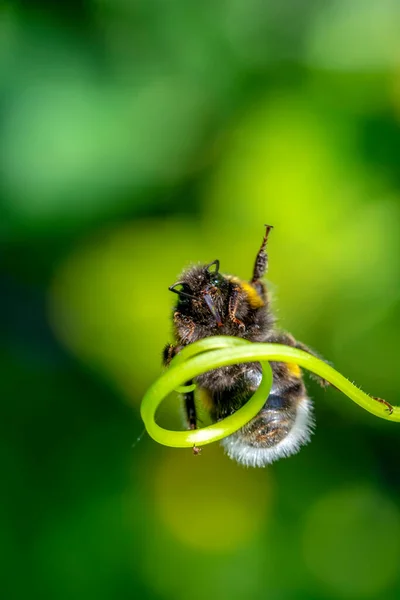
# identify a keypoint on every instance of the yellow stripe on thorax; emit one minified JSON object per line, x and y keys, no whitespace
{"x":253,"y":296}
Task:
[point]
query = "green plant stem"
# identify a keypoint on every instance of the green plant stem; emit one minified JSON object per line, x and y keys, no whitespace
{"x":220,"y":351}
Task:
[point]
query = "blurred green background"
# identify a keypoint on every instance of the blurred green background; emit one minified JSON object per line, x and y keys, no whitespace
{"x":137,"y":137}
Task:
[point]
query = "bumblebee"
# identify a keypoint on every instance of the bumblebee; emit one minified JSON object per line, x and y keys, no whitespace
{"x":210,"y":303}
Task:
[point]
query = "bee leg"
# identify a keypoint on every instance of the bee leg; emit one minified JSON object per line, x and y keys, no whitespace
{"x":190,"y":408}
{"x":232,"y":307}
{"x":322,"y":382}
{"x":289,"y":340}
{"x":261,"y":264}
{"x":389,"y":407}
{"x":186,"y":325}
{"x":169,"y":352}
{"x":191,"y":416}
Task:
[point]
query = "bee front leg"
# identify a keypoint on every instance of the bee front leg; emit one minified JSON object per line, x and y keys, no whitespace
{"x":232,"y":307}
{"x":169,"y":352}
{"x":185,"y":325}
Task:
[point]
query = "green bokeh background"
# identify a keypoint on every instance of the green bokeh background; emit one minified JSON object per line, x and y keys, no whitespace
{"x":137,"y":137}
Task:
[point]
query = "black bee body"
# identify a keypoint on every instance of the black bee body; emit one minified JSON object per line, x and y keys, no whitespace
{"x":214,"y":304}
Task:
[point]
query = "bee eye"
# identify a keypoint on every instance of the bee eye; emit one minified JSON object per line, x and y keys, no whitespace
{"x":184,"y":291}
{"x":214,"y":280}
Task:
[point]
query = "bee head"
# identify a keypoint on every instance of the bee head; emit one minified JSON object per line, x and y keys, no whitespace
{"x":203,"y":294}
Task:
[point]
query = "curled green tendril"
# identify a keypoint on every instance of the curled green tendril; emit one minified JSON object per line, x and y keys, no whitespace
{"x":220,"y":351}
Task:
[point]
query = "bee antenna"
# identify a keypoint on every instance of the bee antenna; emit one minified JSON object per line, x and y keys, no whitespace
{"x":214,"y":262}
{"x":180,"y":292}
